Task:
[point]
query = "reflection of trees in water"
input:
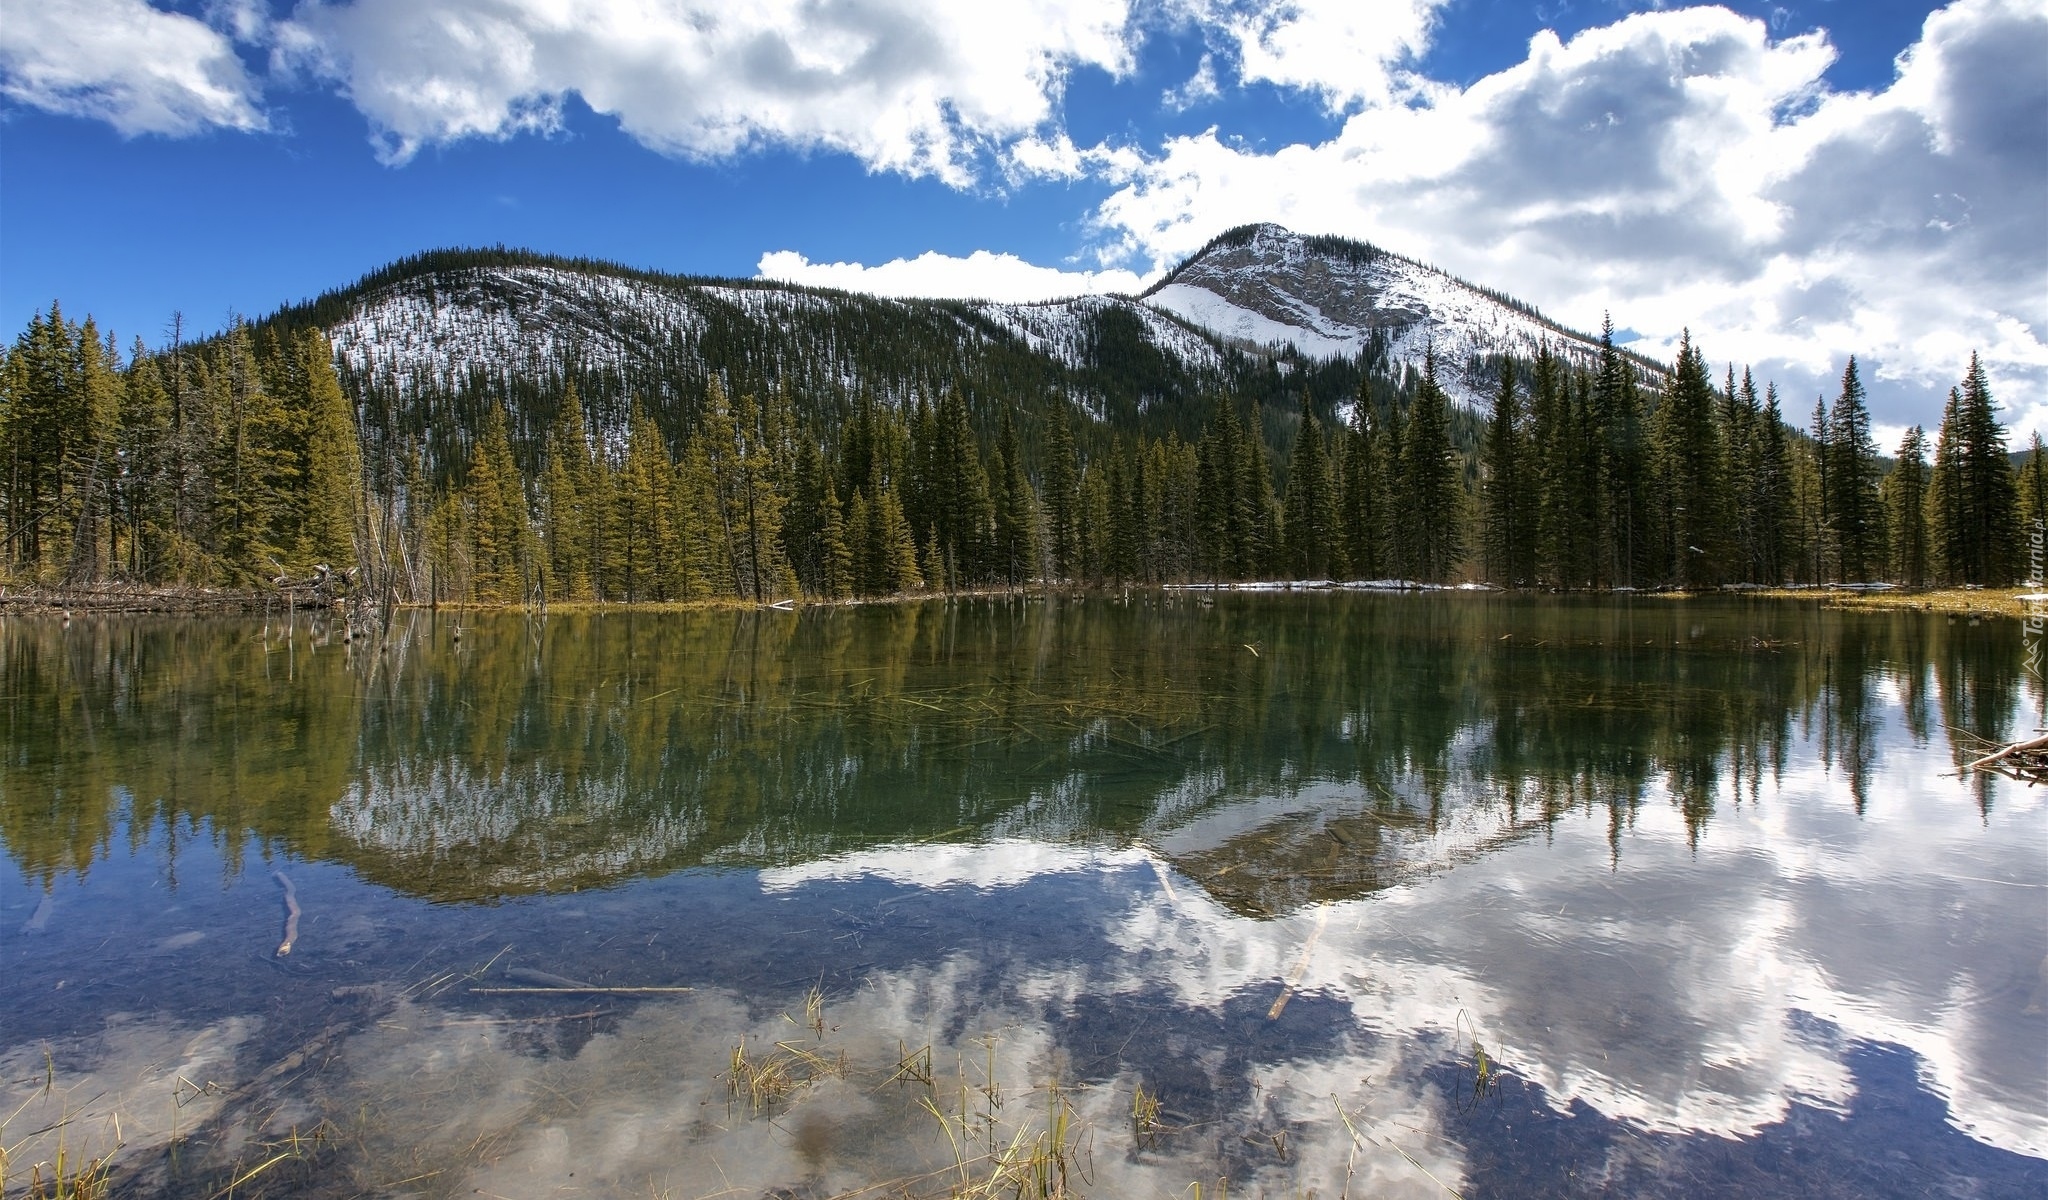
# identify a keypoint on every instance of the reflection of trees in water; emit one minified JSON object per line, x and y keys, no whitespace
{"x":1350,"y":729}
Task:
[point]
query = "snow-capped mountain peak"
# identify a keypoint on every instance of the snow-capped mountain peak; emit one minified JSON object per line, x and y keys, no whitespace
{"x":1267,"y":287}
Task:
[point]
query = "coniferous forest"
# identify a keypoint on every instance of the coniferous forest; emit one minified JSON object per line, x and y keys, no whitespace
{"x":237,"y":459}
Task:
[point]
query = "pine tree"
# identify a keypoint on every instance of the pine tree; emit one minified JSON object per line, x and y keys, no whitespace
{"x":2032,"y":489}
{"x":1507,"y":532}
{"x":643,"y":504}
{"x":1016,"y":510}
{"x":835,"y":553}
{"x":1361,"y":514}
{"x":1690,"y":474}
{"x":1947,"y":532}
{"x":1905,"y":501}
{"x":1432,"y":489}
{"x":1773,"y":498}
{"x":332,"y":506}
{"x":1989,"y":500}
{"x":1851,"y":479}
{"x":568,"y":512}
{"x":1623,"y":467}
{"x":1310,"y":522}
{"x":500,"y":530}
{"x":146,"y":497}
{"x":1062,"y":499}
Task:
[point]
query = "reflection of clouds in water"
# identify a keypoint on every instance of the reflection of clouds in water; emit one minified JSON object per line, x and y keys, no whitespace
{"x":1663,"y":990}
{"x":942,"y":865}
{"x":133,"y":1086}
{"x":642,"y":1106}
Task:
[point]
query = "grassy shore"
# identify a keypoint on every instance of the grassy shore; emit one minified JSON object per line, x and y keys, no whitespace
{"x":1973,"y":602}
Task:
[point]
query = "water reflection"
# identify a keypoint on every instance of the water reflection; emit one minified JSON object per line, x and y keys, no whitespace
{"x":1697,"y":878}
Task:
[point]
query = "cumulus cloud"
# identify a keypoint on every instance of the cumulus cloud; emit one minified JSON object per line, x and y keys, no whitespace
{"x":1346,"y":51}
{"x":906,"y":87}
{"x":978,"y":276}
{"x":137,"y":68}
{"x":1684,"y":168}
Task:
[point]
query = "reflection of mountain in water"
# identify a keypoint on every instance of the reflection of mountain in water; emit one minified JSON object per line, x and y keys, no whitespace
{"x":1280,"y":750}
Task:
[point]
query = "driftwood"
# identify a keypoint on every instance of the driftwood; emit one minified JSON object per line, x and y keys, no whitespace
{"x":291,"y":913}
{"x":130,"y":598}
{"x":2025,"y":760}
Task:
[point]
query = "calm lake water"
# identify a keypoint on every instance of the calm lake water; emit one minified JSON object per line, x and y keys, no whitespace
{"x":1315,"y":894}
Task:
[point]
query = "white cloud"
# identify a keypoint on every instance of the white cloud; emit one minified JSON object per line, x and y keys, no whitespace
{"x":903,"y":86}
{"x":137,"y":68}
{"x":1199,"y":89}
{"x":979,"y":276}
{"x":1681,"y":168}
{"x":1344,"y":50}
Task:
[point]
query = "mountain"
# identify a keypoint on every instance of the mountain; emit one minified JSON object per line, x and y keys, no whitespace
{"x":1260,"y":314}
{"x":1264,"y":287}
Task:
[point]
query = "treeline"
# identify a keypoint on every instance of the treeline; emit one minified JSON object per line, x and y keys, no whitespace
{"x":241,"y":459}
{"x":221,"y":464}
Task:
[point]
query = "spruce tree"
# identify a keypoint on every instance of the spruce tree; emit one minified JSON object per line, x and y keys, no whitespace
{"x":835,"y":548}
{"x":2032,"y":491}
{"x":332,"y":506}
{"x":566,"y":512}
{"x":1624,"y":466}
{"x":500,"y":533}
{"x":1772,"y":497}
{"x":1310,"y":529}
{"x":1851,"y":479}
{"x":1432,"y":487}
{"x":1016,"y":510}
{"x":1062,"y":499}
{"x":1905,"y":501}
{"x":1690,"y":474}
{"x":1989,"y":500}
{"x":1362,"y":515}
{"x":1507,"y":531}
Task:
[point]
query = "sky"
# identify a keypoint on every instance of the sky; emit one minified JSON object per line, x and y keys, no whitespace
{"x":1793,"y":182}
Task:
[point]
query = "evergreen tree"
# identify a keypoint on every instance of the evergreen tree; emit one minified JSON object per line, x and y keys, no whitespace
{"x":331,"y":504}
{"x":1989,"y":500}
{"x":1362,"y":512}
{"x":1773,"y":495}
{"x":1507,"y":534}
{"x":500,"y":533}
{"x":1690,"y":474}
{"x":1432,"y":489}
{"x":567,"y":514}
{"x":2032,"y":490}
{"x":643,"y":506}
{"x":1624,"y":466}
{"x":1310,"y":516}
{"x":1062,"y":499}
{"x":1905,"y":501}
{"x":145,"y":487}
{"x":1016,"y":510}
{"x":1851,"y":480}
{"x":835,"y":552}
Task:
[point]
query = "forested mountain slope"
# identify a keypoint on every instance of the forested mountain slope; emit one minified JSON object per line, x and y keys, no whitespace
{"x":498,"y":425}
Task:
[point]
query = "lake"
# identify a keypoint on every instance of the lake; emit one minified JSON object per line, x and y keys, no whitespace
{"x":1175,"y":895}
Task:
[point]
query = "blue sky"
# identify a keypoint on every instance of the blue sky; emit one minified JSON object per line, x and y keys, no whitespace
{"x":1767,"y":174}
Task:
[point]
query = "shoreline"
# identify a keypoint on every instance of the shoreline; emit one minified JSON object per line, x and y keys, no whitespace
{"x":123,"y":599}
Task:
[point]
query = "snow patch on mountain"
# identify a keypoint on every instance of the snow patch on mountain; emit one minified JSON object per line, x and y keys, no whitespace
{"x":526,"y":322}
{"x":1270,"y":288}
{"x":1060,"y":329}
{"x":510,"y":322}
